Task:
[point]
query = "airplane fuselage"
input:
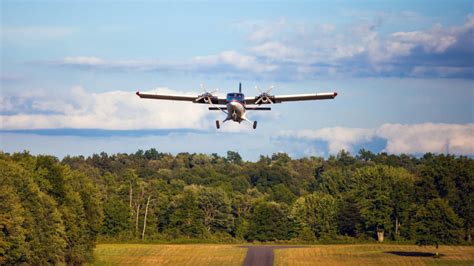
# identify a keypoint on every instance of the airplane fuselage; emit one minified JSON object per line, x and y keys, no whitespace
{"x":235,"y":111}
{"x":235,"y":107}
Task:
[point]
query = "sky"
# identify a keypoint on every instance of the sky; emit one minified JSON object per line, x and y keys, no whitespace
{"x":403,"y":71}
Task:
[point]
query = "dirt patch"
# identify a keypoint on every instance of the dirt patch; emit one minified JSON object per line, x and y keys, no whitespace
{"x":262,"y":255}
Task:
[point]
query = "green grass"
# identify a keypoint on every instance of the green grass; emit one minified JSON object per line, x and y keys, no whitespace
{"x":374,"y":254}
{"x":149,"y":254}
{"x":221,"y":254}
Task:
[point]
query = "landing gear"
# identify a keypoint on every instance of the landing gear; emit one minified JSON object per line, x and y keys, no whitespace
{"x":217,"y":124}
{"x":254,"y":124}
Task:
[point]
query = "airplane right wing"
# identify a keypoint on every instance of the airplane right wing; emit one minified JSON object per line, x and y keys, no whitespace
{"x":269,"y":99}
{"x":305,"y":97}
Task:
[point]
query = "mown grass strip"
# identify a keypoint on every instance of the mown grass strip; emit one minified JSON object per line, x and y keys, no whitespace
{"x":374,"y":254}
{"x":147,"y":254}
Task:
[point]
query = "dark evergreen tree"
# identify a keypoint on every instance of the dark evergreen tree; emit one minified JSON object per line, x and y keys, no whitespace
{"x":436,"y":223}
{"x":269,"y":222}
{"x":349,"y":220}
{"x":117,"y":217}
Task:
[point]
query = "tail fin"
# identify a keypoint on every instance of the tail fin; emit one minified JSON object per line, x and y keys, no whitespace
{"x":240,"y":87}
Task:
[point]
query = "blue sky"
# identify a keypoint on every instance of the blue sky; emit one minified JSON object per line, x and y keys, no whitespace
{"x":404,"y":72}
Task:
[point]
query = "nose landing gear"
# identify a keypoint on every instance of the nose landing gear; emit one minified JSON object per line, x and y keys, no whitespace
{"x":254,"y":124}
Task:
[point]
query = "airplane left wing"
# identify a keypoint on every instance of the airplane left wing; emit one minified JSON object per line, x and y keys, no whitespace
{"x":173,"y":97}
{"x":268,"y":99}
{"x":203,"y":98}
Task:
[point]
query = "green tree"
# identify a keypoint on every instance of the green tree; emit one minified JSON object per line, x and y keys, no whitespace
{"x":117,"y":217}
{"x":42,"y":225}
{"x":333,"y":181}
{"x":321,"y":214}
{"x":242,"y":206}
{"x":372,"y":188}
{"x":234,"y":157}
{"x":269,"y":222}
{"x":216,"y":209}
{"x":299,"y":218}
{"x":436,"y":223}
{"x":79,"y":205}
{"x":13,"y":246}
{"x":349,"y":220}
{"x":72,"y":213}
{"x":450,"y":178}
{"x":186,"y":217}
{"x":401,"y":198}
{"x":91,"y":202}
{"x":280,"y":193}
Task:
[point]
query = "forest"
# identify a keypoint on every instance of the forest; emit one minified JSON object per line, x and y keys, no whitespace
{"x":55,"y":211}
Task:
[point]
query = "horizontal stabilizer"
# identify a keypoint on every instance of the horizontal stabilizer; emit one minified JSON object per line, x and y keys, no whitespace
{"x":258,"y":108}
{"x":246,"y":108}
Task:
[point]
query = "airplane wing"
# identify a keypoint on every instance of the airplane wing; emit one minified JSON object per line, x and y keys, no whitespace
{"x":178,"y":97}
{"x":174,"y":97}
{"x":268,"y":99}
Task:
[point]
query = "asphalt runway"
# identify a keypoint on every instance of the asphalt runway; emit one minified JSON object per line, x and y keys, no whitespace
{"x":261,"y":255}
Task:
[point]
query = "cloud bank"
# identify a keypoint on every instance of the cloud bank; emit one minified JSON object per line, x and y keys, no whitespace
{"x":229,"y":63}
{"x":284,"y":50}
{"x":117,"y":110}
{"x":409,"y":139}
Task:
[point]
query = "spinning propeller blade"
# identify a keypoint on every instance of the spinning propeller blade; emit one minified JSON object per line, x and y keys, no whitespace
{"x":207,"y":96}
{"x":264,"y":96}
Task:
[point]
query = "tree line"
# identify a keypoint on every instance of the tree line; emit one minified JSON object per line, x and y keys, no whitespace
{"x":52,"y":211}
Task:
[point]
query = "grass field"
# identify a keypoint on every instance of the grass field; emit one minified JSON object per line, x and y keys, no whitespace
{"x":149,"y":254}
{"x":212,"y":254}
{"x":373,"y":254}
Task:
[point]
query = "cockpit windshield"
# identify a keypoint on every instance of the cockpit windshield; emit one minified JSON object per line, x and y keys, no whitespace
{"x":235,"y":96}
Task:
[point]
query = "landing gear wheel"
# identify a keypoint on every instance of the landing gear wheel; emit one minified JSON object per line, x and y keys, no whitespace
{"x":254,"y":124}
{"x":217,"y":124}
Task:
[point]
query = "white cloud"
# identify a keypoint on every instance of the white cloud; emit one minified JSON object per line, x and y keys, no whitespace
{"x":410,"y":139}
{"x":92,"y":62}
{"x":338,"y":138}
{"x":227,"y":61}
{"x":78,"y":108}
{"x":435,"y":40}
{"x":233,"y":59}
{"x":276,"y":50}
{"x":442,"y":71}
{"x":84,"y":60}
{"x":263,"y":31}
{"x":428,"y":137}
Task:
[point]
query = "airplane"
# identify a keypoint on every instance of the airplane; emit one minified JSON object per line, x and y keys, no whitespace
{"x":236,"y":105}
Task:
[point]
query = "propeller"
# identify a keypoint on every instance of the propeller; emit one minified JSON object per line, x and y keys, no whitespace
{"x":206,"y":96}
{"x":264,"y":97}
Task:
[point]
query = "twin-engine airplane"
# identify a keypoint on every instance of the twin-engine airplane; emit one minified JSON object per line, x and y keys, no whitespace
{"x":236,"y":104}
